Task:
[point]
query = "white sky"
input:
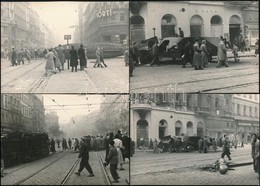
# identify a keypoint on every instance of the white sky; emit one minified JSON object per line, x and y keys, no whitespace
{"x":73,"y":105}
{"x":58,"y":16}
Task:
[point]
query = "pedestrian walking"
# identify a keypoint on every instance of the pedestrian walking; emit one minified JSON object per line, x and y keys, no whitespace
{"x":132,"y":147}
{"x":86,"y":56}
{"x":200,"y":145}
{"x":247,"y":44}
{"x":253,"y":143}
{"x":49,"y":67}
{"x":61,"y":56}
{"x":126,"y":145}
{"x":133,"y":58}
{"x":20,"y":57}
{"x":76,"y":144}
{"x":214,"y":145}
{"x":155,"y":52}
{"x":126,"y":57}
{"x":118,"y":145}
{"x":52,"y":146}
{"x":222,"y":54}
{"x":151,"y":143}
{"x":67,"y":57}
{"x":27,"y":55}
{"x":242,"y":44}
{"x":181,"y":33}
{"x":84,"y":155}
{"x":98,"y":62}
{"x":13,"y":57}
{"x":73,"y":59}
{"x":82,"y":57}
{"x":235,"y":53}
{"x":205,"y":144}
{"x":226,"y":148}
{"x":57,"y":62}
{"x":155,"y":146}
{"x":204,"y":54}
{"x":197,"y":61}
{"x":187,"y":54}
{"x":112,"y":159}
{"x":102,"y":57}
{"x":69,"y":142}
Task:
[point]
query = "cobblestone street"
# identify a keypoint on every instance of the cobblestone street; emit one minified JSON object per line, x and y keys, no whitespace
{"x":186,"y":168}
{"x":30,"y":78}
{"x":53,"y":169}
{"x":240,"y":77}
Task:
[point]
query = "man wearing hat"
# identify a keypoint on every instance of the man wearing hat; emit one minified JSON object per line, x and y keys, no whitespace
{"x":84,"y":155}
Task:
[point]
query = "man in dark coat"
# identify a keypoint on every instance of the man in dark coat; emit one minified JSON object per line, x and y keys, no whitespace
{"x":187,"y":54}
{"x":67,"y":56}
{"x":112,"y":159}
{"x":133,"y":58}
{"x":82,"y":57}
{"x":226,"y":148}
{"x":155,"y":50}
{"x":73,"y":59}
{"x":84,"y":155}
{"x":13,"y":57}
{"x":126,"y":144}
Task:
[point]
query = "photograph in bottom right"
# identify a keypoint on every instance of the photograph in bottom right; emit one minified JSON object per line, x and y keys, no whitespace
{"x":201,"y":139}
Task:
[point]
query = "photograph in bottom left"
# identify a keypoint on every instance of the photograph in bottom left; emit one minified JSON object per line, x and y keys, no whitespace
{"x":50,"y":139}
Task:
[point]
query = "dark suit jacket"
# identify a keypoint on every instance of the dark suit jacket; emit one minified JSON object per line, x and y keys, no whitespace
{"x":112,"y":156}
{"x":84,"y":151}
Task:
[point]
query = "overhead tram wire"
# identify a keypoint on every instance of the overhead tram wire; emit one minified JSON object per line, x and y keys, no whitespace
{"x":53,"y":100}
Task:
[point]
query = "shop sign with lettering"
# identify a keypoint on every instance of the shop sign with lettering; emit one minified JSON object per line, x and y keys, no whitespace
{"x":104,"y":13}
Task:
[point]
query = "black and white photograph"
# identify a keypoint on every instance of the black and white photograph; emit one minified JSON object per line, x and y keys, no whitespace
{"x":64,"y":47}
{"x":194,"y":139}
{"x":61,"y":139}
{"x":195,"y":46}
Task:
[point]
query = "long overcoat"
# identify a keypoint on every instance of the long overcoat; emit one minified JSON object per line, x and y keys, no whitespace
{"x":222,"y":51}
{"x":73,"y":58}
{"x":197,"y":61}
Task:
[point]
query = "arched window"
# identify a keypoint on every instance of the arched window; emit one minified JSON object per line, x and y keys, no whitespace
{"x":178,"y":128}
{"x":196,"y":26}
{"x":137,"y":28}
{"x":216,"y":26}
{"x":189,"y":128}
{"x":168,"y":26}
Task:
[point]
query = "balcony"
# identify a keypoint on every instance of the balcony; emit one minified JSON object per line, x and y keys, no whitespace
{"x":202,"y":111}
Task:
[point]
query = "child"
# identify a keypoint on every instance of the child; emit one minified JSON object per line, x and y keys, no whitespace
{"x":113,"y":160}
{"x":235,"y":49}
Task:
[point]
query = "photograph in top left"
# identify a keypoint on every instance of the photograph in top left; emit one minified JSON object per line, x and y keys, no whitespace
{"x":64,"y":47}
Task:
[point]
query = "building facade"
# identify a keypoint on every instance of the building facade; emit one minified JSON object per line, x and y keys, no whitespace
{"x":21,"y":27}
{"x":104,"y":22}
{"x":158,"y":115}
{"x":246,"y":115}
{"x":196,"y":18}
{"x":52,"y":124}
{"x":22,"y":112}
{"x":114,"y":113}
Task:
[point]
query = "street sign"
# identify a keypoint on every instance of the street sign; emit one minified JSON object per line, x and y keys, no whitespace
{"x":67,"y":37}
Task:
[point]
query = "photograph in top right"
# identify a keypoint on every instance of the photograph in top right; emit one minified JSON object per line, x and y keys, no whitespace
{"x":194,"y":46}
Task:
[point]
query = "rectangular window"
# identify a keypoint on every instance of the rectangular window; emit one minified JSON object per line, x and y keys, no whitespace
{"x":250,"y":111}
{"x":107,"y":38}
{"x":122,"y":17}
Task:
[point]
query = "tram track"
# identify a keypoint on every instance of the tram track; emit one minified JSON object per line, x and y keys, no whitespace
{"x":37,"y":172}
{"x":18,"y":67}
{"x":20,"y":76}
{"x":71,"y":171}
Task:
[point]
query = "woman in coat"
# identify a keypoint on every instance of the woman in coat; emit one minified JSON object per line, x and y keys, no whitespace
{"x":73,"y":59}
{"x":197,"y":61}
{"x":204,"y":53}
{"x":49,"y":67}
{"x":56,"y":60}
{"x":222,"y":54}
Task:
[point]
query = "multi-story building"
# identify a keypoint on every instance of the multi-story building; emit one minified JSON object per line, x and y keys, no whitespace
{"x":159,"y":115}
{"x":22,"y":112}
{"x":104,"y":22}
{"x":114,"y":112}
{"x":52,"y":123}
{"x":21,"y":27}
{"x":196,"y":18}
{"x":246,"y":115}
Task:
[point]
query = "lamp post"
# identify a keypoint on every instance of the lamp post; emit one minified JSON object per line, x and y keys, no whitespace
{"x":154,"y":31}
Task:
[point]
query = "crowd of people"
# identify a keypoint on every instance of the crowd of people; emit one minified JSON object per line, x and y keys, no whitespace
{"x":116,"y":146}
